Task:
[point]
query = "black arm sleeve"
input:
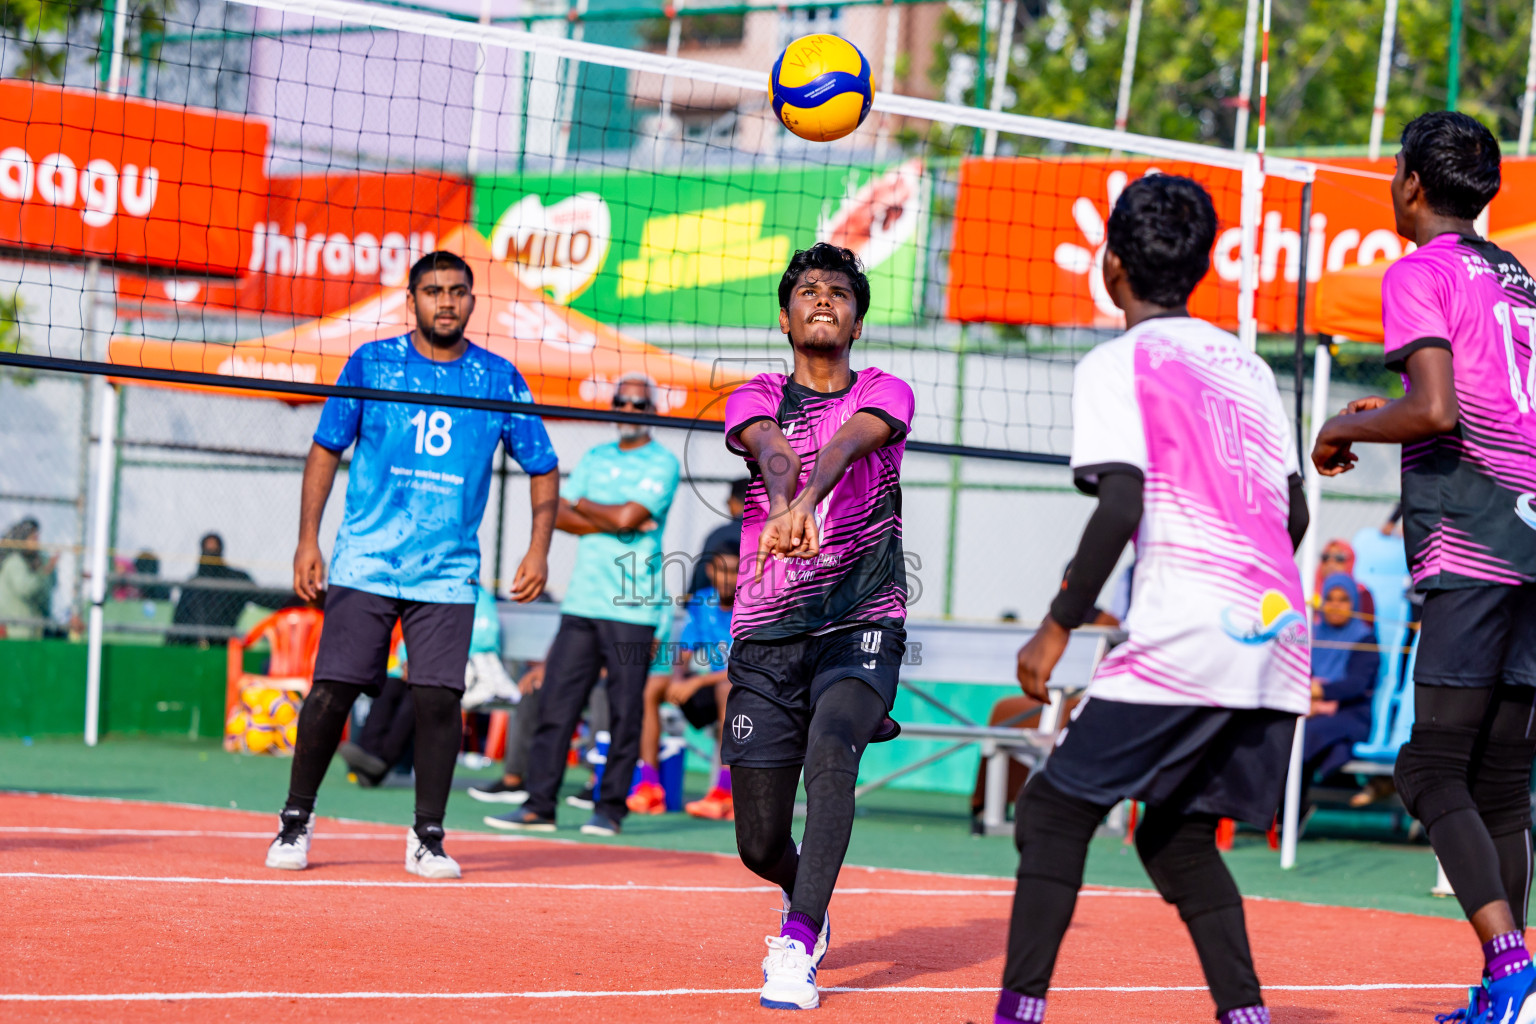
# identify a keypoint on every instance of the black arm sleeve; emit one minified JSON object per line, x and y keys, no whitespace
{"x":1110,"y":527}
{"x":1296,"y":522}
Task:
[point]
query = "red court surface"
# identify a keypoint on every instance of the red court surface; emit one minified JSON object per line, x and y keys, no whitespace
{"x":139,"y":912}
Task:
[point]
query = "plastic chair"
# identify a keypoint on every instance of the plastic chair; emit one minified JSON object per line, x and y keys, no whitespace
{"x":1381,"y":564}
{"x":1392,"y":713}
{"x":294,"y":635}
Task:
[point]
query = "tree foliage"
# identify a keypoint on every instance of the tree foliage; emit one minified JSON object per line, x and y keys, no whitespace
{"x":39,"y":28}
{"x":1067,"y":54}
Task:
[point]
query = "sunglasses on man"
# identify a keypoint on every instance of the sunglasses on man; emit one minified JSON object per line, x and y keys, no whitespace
{"x":637,"y":404}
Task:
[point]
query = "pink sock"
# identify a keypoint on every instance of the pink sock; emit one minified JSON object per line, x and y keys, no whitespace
{"x":723,"y":780}
{"x":648,"y":775}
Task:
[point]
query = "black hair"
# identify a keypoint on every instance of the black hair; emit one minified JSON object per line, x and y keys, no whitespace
{"x":1457,"y":161}
{"x":217,"y":541}
{"x":1162,"y":228}
{"x":440,"y":260}
{"x":739,"y":488}
{"x":826,"y":256}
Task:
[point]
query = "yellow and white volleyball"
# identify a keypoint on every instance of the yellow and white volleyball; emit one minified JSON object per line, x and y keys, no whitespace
{"x":283,"y":711}
{"x":261,"y":739}
{"x":288,"y":736}
{"x":821,"y":87}
{"x":237,"y":722}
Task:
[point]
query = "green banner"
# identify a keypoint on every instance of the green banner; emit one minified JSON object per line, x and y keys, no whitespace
{"x":643,"y":247}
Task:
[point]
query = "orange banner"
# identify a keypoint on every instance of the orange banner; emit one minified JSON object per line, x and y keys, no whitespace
{"x":1029,"y":236}
{"x":129,"y":180}
{"x":326,"y":241}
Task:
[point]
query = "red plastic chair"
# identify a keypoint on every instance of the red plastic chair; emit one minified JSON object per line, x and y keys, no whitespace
{"x":294,"y":634}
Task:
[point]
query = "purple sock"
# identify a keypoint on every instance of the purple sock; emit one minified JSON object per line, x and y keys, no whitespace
{"x":1505,"y":955}
{"x":723,"y":780}
{"x":1013,"y":1007}
{"x":1246,"y":1015}
{"x":801,"y":928}
{"x":648,"y":775}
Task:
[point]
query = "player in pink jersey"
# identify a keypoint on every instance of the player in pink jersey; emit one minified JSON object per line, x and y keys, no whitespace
{"x":1459,"y":315}
{"x":820,"y":601}
{"x":1180,"y":431}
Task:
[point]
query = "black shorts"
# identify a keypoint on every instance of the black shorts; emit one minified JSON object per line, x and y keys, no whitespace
{"x":354,"y":641}
{"x":1478,"y":636}
{"x":1197,"y":760}
{"x":702,"y":709}
{"x":775,"y":685}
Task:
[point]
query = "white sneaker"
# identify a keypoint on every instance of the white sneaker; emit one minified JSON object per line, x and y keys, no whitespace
{"x":823,"y":938}
{"x":486,"y":680}
{"x":290,"y":850}
{"x":789,"y":976}
{"x":424,"y":855}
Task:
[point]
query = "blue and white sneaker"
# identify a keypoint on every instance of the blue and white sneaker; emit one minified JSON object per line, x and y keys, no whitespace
{"x":823,"y":938}
{"x":1511,"y":1000}
{"x":789,"y":976}
{"x":1474,"y":1012}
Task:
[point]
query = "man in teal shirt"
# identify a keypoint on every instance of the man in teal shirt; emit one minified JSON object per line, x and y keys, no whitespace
{"x":616,"y":501}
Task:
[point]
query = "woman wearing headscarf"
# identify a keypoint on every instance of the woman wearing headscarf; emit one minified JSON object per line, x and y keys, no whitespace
{"x":1345,"y":662}
{"x":26,"y":581}
{"x":1339,"y":556}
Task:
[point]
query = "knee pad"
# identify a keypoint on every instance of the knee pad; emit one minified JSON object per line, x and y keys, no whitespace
{"x":831,"y":747}
{"x":1181,"y":859}
{"x":1432,"y":772}
{"x":1051,"y":831}
{"x":1501,"y":786}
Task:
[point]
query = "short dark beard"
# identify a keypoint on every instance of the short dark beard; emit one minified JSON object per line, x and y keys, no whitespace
{"x":437,"y":340}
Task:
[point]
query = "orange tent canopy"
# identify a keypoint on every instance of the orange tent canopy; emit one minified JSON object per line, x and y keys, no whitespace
{"x":567,"y":358}
{"x":1349,"y":300}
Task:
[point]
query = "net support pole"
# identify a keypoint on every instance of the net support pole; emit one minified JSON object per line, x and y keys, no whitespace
{"x":477,"y":99}
{"x":101,"y":518}
{"x":1383,"y":73}
{"x":1245,"y":86}
{"x":888,"y":73}
{"x":1291,"y":822}
{"x":1252,"y":207}
{"x":1526,"y":108}
{"x":1453,"y":60}
{"x":1302,"y":280}
{"x":674,"y":43}
{"x":1128,"y":66}
{"x":1000,"y":73}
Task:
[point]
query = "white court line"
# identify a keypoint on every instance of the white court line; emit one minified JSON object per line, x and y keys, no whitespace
{"x":145,"y":997}
{"x":189,"y":833}
{"x":362,"y":883}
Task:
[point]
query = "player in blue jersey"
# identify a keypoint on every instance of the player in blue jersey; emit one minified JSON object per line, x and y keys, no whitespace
{"x":408,"y":548}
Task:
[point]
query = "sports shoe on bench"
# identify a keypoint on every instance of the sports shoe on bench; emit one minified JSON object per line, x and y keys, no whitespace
{"x":522,"y":820}
{"x":290,"y":850}
{"x":647,"y":798}
{"x":789,"y":976}
{"x":424,"y":854}
{"x":823,"y":937}
{"x":716,"y":805}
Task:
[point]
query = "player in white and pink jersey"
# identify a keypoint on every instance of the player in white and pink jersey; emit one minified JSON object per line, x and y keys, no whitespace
{"x":1459,"y":317}
{"x":1180,"y":431}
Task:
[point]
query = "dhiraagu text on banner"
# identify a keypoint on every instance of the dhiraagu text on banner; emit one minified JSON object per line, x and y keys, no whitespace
{"x":654,"y":247}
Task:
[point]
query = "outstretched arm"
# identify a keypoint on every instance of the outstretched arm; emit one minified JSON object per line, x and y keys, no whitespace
{"x":1430,"y":407}
{"x":796,"y":534}
{"x":779,"y":467}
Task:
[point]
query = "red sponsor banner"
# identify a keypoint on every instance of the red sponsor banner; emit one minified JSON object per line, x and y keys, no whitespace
{"x":1029,"y":236}
{"x":128,"y":180}
{"x":324,"y":242}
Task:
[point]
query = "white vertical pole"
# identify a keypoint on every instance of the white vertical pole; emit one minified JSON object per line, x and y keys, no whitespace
{"x":1245,"y":87}
{"x":577,"y":32}
{"x":1000,"y":71}
{"x":1128,"y":66}
{"x":115,"y":65}
{"x":101,"y":519}
{"x":1383,"y":73}
{"x":1530,"y":91}
{"x":1252,"y":211}
{"x":674,"y":43}
{"x":477,"y":101}
{"x":1322,"y":367}
{"x":888,"y":73}
{"x":1264,"y":83}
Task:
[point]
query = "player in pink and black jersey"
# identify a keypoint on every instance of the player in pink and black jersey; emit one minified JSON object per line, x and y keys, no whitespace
{"x":820,"y":601}
{"x":1459,"y":315}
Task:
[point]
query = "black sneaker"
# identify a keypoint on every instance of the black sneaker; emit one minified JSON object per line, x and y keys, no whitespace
{"x":521,"y":821}
{"x":585,"y":800}
{"x":499,"y":792}
{"x":370,"y":770}
{"x":600,"y":825}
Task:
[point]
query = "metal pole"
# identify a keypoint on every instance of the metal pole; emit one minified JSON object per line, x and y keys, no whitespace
{"x":575,"y":29}
{"x":1000,"y":78}
{"x":979,"y":99}
{"x":1453,"y":63}
{"x":1264,"y":85}
{"x":955,"y":480}
{"x":1301,"y":316}
{"x":1245,"y":87}
{"x":101,"y":517}
{"x":1252,"y":211}
{"x":674,"y":43}
{"x":888,"y":73}
{"x":1128,"y":66}
{"x":1383,"y":74}
{"x":477,"y":101}
{"x":1530,"y":91}
{"x":1290,"y":823}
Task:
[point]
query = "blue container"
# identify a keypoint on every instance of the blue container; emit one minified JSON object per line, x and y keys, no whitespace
{"x":597,"y":757}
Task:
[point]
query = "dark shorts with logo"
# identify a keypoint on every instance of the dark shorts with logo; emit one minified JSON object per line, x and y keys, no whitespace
{"x":1229,"y":762}
{"x":775,"y":686}
{"x":354,"y":640}
{"x":1478,"y":636}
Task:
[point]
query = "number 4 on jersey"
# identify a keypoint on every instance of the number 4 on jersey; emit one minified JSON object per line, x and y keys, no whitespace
{"x":432,"y":432}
